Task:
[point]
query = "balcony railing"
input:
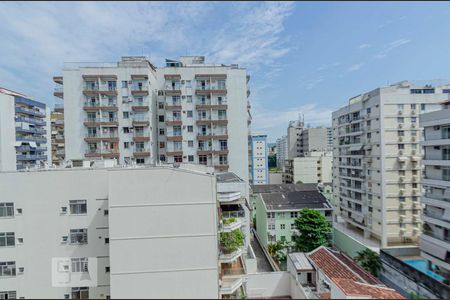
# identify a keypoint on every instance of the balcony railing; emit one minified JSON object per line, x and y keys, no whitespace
{"x":29,"y":111}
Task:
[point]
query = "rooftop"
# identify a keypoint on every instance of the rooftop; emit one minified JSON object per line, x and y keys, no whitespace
{"x":277,"y":188}
{"x":228,"y":177}
{"x":295,"y":200}
{"x":300,"y":261}
{"x":12,"y":93}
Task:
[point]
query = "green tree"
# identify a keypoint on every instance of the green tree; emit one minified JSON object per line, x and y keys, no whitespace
{"x":277,"y":250}
{"x":369,"y":260}
{"x":231,"y":241}
{"x":313,"y":230}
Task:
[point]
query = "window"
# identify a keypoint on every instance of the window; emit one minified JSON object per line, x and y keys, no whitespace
{"x":401,"y":120}
{"x":401,"y":133}
{"x":188,"y":84}
{"x":107,"y":269}
{"x":190,"y":128}
{"x":126,"y":130}
{"x":189,"y":99}
{"x":282,"y":226}
{"x":124,"y":84}
{"x":401,"y":172}
{"x":401,"y":146}
{"x":223,"y":144}
{"x":413,"y":120}
{"x":283,"y":238}
{"x":8,"y":295}
{"x":368,"y":110}
{"x":271,"y":226}
{"x":189,"y":113}
{"x":294,"y":214}
{"x":162,"y":157}
{"x":106,"y":212}
{"x":161,"y":118}
{"x":126,"y":145}
{"x":126,"y":114}
{"x":78,"y":207}
{"x":79,"y":265}
{"x":78,"y":236}
{"x":106,"y":240}
{"x":7,"y":239}
{"x":7,"y":268}
{"x":178,"y":158}
{"x":162,"y":145}
{"x":190,"y":143}
{"x":140,"y":161}
{"x":6,"y":209}
{"x":400,"y":106}
{"x":422,"y":106}
{"x":80,"y":293}
{"x":293,"y":226}
{"x":161,"y":105}
{"x":190,"y":158}
{"x":271,"y":215}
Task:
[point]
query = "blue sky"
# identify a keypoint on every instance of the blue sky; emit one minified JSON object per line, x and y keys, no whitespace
{"x":303,"y":57}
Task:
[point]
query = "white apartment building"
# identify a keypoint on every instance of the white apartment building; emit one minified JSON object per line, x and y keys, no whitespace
{"x":314,"y":167}
{"x":24,"y":132}
{"x":106,"y":231}
{"x":188,"y":111}
{"x":377,"y":161}
{"x":435,"y":239}
{"x":259,"y":161}
{"x":282,"y":150}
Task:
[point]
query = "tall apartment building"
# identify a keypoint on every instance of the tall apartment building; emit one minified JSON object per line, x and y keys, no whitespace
{"x":377,"y":161}
{"x":435,"y":239}
{"x":188,"y":111}
{"x":282,"y":151}
{"x":303,"y":140}
{"x":57,"y":134}
{"x":315,"y":167}
{"x":259,"y":160}
{"x":97,"y":215}
{"x":24,"y":132}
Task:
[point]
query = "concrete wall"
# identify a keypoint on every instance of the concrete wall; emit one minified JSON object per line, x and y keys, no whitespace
{"x":274,"y":284}
{"x":275,"y":178}
{"x":174,"y":239}
{"x":347,"y":244}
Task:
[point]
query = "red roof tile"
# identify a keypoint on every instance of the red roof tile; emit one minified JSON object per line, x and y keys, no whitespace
{"x":353,"y":288}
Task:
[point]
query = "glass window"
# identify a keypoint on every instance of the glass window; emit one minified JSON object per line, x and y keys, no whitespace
{"x":401,"y":120}
{"x":78,"y":207}
{"x":7,"y":239}
{"x":6,"y":209}
{"x":80,"y":293}
{"x":282,"y":226}
{"x":78,"y":236}
{"x":413,"y":119}
{"x":189,"y":113}
{"x":124,"y":84}
{"x":400,"y":106}
{"x":190,"y":128}
{"x":190,"y":143}
{"x":7,"y":268}
{"x":79,"y":265}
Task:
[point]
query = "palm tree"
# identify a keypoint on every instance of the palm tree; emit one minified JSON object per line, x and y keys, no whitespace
{"x":369,"y":260}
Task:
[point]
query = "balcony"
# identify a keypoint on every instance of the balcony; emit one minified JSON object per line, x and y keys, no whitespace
{"x":207,"y":90}
{"x":96,"y":106}
{"x":140,"y":106}
{"x":31,"y":112}
{"x":209,"y":105}
{"x":139,"y":91}
{"x":212,"y":136}
{"x":59,"y":108}
{"x":37,"y":139}
{"x":175,"y":137}
{"x":140,"y":122}
{"x":31,"y":130}
{"x":173,"y":105}
{"x":221,"y":166}
{"x":58,"y":79}
{"x":58,"y":92}
{"x":141,"y":152}
{"x":92,"y":122}
{"x":58,"y":139}
{"x":111,"y":137}
{"x":230,"y":285}
{"x":22,"y":157}
{"x":172,"y":90}
{"x":174,"y":122}
{"x":110,"y":153}
{"x":229,"y":257}
{"x":141,"y":137}
{"x":91,"y":153}
{"x":94,"y":90}
{"x":174,"y":152}
{"x":229,"y":197}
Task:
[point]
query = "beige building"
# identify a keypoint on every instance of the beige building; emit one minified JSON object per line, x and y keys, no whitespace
{"x":314,"y":167}
{"x":57,"y":127}
{"x":435,"y":240}
{"x":377,"y":161}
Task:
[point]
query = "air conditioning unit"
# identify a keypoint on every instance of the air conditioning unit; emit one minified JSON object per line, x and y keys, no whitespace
{"x":63,"y":210}
{"x":413,"y":125}
{"x":401,"y":178}
{"x":20,"y":270}
{"x":400,"y":125}
{"x":414,"y":178}
{"x":400,"y":152}
{"x":413,"y":139}
{"x":130,"y":82}
{"x":64,"y":239}
{"x":400,"y":138}
{"x":400,"y":112}
{"x":413,"y":152}
{"x":401,"y":192}
{"x":413,"y":112}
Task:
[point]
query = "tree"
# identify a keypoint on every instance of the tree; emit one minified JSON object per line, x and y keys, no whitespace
{"x":313,"y":230}
{"x":369,"y":260}
{"x":276,"y":250}
{"x":231,"y":241}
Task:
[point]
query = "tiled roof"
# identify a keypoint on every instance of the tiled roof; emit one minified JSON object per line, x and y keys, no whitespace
{"x":353,"y":288}
{"x":331,"y":266}
{"x":351,"y":278}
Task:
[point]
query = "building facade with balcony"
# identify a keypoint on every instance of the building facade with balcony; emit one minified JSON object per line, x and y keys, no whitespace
{"x":435,"y":239}
{"x":24,"y":132}
{"x":187,"y":111}
{"x":57,"y":134}
{"x":377,"y":161}
{"x":282,"y":150}
{"x":83,"y":248}
{"x":111,"y":110}
{"x":259,"y":160}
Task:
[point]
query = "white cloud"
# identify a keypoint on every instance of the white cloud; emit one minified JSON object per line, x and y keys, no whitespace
{"x":355,"y":67}
{"x":362,"y":46}
{"x":391,"y":46}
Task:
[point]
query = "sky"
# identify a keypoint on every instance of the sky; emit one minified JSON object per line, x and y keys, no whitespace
{"x":304,"y":58}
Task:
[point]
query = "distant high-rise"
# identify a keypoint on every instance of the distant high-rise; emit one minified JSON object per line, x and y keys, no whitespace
{"x":57,"y":122}
{"x":377,"y":161}
{"x":282,"y":151}
{"x":24,"y":132}
{"x":259,"y":160}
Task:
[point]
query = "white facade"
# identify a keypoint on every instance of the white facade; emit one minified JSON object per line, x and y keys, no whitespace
{"x":435,"y":240}
{"x":282,"y":151}
{"x":24,"y":132}
{"x":376,"y":161}
{"x":315,"y":167}
{"x":188,"y":112}
{"x":123,"y":232}
{"x":259,"y":163}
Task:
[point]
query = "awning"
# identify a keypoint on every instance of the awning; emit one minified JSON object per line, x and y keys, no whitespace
{"x":18,"y":144}
{"x":433,"y":249}
{"x":32,"y":144}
